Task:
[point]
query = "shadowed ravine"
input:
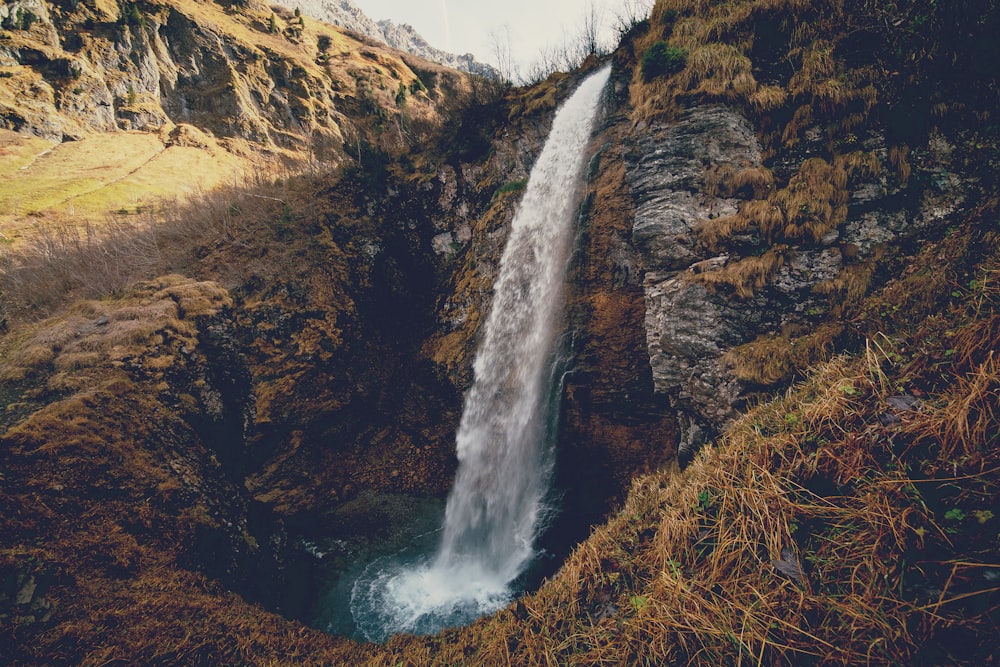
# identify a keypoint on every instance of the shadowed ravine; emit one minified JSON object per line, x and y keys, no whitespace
{"x":497,"y":505}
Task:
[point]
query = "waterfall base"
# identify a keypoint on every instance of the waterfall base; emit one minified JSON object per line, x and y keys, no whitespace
{"x":374,"y":586}
{"x":378,"y":583}
{"x":396,"y":595}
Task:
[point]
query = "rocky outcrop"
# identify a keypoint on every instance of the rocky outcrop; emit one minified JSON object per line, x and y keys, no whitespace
{"x":613,"y":425}
{"x":347,"y":15}
{"x":255,"y":78}
{"x":688,"y":327}
{"x":707,"y":298}
{"x":99,"y":71}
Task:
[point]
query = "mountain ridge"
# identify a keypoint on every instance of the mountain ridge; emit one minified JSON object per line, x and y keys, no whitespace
{"x":403,"y":36}
{"x":235,"y":86}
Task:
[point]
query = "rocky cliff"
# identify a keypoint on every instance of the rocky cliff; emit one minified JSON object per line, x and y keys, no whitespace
{"x":345,"y":14}
{"x":786,"y":270}
{"x":252,"y":76}
{"x":719,"y":312}
{"x":764,"y":211}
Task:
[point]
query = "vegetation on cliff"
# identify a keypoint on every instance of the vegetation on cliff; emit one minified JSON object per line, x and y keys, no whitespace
{"x":870,"y":80}
{"x":186,"y":389}
{"x":102,"y":112}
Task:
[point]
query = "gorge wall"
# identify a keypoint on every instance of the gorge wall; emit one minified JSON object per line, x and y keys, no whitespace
{"x":706,"y":299}
{"x":293,"y":370}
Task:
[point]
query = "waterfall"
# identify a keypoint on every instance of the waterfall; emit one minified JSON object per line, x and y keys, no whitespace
{"x":497,"y":504}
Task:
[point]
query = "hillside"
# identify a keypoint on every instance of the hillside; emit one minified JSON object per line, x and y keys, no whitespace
{"x":145,"y":101}
{"x":778,"y":442}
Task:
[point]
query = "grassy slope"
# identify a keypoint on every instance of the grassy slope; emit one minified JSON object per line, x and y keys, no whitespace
{"x":851,"y":521}
{"x":103,"y":173}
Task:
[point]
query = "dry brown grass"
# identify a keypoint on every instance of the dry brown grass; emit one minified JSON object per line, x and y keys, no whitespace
{"x":813,"y":203}
{"x":848,"y":288}
{"x":727,"y":180}
{"x":744,"y":276}
{"x":76,"y":348}
{"x":768,"y":98}
{"x":860,"y":165}
{"x":717,"y":72}
{"x":721,"y":38}
{"x":61,"y":260}
{"x":758,"y":213}
{"x":899,"y":160}
{"x":772,"y":360}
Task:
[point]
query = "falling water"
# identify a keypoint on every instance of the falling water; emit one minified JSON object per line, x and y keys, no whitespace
{"x":497,"y":505}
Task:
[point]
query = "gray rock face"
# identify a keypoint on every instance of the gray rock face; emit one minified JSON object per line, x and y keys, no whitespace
{"x":344,"y":14}
{"x":802,"y":271}
{"x":690,"y":326}
{"x":341,"y":13}
{"x":666,"y":174}
{"x":687,"y":329}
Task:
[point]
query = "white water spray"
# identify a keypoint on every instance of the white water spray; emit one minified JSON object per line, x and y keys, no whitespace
{"x":497,"y":505}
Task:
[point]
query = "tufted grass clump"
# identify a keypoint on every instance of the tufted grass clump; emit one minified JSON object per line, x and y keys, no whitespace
{"x":663,"y":60}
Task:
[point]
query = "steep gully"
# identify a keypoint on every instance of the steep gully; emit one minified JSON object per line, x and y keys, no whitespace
{"x":688,"y":327}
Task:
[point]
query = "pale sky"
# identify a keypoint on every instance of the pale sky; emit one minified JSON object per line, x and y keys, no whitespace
{"x":472,"y":26}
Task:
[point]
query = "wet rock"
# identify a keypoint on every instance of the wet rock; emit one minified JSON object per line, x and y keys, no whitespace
{"x":26,"y":592}
{"x":898,"y":405}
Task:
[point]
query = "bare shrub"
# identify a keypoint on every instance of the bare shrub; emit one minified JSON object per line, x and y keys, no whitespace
{"x":586,"y":41}
{"x":63,"y":259}
{"x":630,"y":14}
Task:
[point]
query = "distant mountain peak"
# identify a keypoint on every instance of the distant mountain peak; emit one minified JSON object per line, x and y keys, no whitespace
{"x":344,"y":14}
